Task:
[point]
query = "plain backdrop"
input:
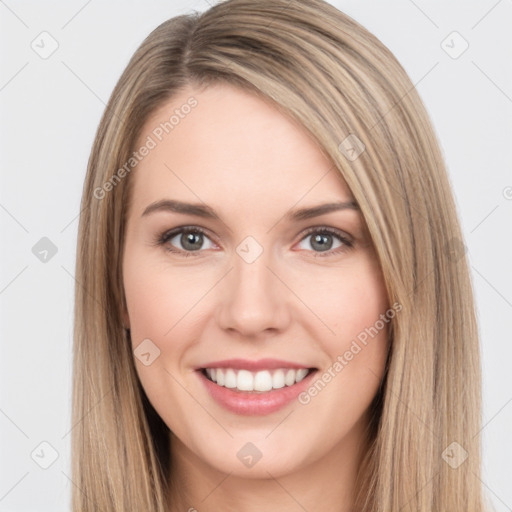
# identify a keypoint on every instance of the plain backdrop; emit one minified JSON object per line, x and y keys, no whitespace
{"x":50,"y":109}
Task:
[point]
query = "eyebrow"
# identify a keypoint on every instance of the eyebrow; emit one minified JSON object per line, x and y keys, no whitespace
{"x":201,"y":210}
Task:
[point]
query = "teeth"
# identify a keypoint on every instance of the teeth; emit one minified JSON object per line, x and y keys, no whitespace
{"x":264,"y":380}
{"x":278,"y":380}
{"x":230,"y":378}
{"x":301,"y":374}
{"x":244,"y":381}
{"x":289,"y":378}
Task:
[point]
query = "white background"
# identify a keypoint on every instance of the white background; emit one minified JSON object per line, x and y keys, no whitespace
{"x":50,"y":109}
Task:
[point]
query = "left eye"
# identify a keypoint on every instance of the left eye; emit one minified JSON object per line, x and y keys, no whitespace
{"x":322,"y":240}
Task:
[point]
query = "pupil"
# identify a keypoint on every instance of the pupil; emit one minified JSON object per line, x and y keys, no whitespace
{"x":321,"y":239}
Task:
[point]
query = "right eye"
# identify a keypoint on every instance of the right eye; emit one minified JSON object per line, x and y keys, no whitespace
{"x":189,"y":239}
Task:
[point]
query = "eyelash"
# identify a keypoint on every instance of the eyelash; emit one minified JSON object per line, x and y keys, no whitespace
{"x":163,"y":238}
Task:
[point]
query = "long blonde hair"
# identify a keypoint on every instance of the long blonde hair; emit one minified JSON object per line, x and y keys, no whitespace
{"x":323,"y":69}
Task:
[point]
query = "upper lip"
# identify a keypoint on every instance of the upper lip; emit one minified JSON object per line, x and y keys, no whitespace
{"x":260,"y":364}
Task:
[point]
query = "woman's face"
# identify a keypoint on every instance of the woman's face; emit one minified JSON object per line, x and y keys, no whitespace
{"x":251,"y":287}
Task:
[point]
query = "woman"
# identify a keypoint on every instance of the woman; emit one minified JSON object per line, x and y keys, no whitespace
{"x":274,"y":310}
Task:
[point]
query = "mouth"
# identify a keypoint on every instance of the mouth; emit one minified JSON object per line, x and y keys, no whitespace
{"x":254,"y":387}
{"x":261,"y":381}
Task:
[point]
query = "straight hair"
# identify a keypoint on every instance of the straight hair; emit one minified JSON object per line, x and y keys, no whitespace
{"x":320,"y":67}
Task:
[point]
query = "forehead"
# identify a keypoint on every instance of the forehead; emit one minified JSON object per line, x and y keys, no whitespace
{"x":227,"y":146}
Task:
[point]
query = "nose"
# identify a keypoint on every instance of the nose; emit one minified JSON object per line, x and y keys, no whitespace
{"x":254,"y":300}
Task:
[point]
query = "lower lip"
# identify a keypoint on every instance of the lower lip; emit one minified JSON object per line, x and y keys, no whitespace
{"x":250,"y":403}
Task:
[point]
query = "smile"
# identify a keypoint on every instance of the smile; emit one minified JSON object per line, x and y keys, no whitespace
{"x":263,"y":380}
{"x":253,"y":388}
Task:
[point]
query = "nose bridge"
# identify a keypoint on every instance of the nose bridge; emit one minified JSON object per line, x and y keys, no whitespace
{"x":255,"y":299}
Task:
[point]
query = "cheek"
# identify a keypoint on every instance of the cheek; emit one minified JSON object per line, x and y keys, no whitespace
{"x":347,"y":301}
{"x":161,"y":304}
{"x":160,"y":298}
{"x":350,"y":304}
{"x":165,"y":305}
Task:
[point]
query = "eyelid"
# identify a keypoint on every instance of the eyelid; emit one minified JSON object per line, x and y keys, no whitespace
{"x":331,"y":230}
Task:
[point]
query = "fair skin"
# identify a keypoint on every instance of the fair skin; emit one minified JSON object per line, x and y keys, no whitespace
{"x":295,"y":302}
